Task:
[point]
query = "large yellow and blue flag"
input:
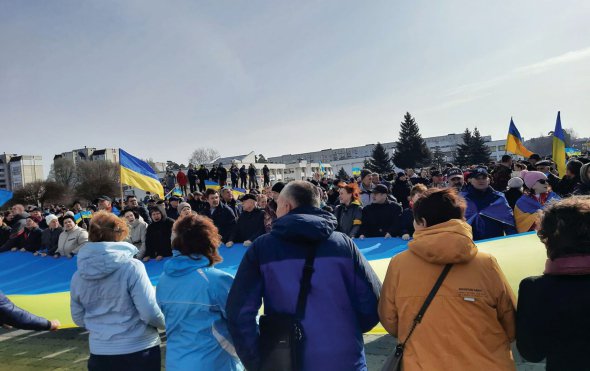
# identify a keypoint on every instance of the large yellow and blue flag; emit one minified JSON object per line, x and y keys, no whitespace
{"x":137,"y":173}
{"x":559,"y":147}
{"x":514,"y":142}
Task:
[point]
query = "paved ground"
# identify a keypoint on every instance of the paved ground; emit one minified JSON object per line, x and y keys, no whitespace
{"x":68,"y":350}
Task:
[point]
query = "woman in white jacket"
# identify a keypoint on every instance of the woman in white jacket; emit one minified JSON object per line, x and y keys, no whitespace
{"x":137,"y":231}
{"x":71,"y":239}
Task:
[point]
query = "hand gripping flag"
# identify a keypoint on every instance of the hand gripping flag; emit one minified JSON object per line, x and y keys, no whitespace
{"x":559,"y":147}
{"x":514,"y":142}
{"x":137,"y":173}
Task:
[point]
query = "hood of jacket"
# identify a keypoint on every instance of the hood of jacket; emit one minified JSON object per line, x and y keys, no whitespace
{"x":444,"y":243}
{"x":97,"y":260}
{"x":305,"y":223}
{"x":161,"y":209}
{"x":181,"y":265}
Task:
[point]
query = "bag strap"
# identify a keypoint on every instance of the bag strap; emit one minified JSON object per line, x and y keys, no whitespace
{"x":427,"y":302}
{"x":305,"y":284}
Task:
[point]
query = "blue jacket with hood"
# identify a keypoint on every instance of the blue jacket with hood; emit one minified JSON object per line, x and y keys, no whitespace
{"x":342,"y":302}
{"x":192,"y":296}
{"x":113,"y":298}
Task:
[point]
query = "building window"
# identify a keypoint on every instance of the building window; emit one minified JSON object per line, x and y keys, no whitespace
{"x":502,"y":148}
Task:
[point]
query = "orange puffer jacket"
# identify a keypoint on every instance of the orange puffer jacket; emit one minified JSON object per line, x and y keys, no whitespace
{"x":471,"y":321}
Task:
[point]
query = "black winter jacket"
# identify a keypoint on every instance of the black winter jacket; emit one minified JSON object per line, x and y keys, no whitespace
{"x":380,"y":219}
{"x":552,"y":321}
{"x":250,"y":226}
{"x":224,"y":219}
{"x":157,"y":238}
{"x":50,"y":239}
{"x":5,"y":231}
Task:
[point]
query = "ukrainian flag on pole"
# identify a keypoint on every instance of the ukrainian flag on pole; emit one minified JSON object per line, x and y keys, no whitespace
{"x":137,"y":173}
{"x":514,"y":142}
{"x":559,"y":147}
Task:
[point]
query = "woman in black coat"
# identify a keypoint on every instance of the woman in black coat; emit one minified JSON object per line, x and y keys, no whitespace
{"x":552,"y":320}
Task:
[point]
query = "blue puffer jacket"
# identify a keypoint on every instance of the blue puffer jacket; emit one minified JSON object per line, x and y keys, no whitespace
{"x":192,"y":296}
{"x":488,"y":213}
{"x":112,"y":297}
{"x":342,"y":303}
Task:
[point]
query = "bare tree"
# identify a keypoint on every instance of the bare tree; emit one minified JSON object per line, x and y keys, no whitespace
{"x":96,"y":178}
{"x":41,"y":192}
{"x":201,"y":156}
{"x":63,"y":171}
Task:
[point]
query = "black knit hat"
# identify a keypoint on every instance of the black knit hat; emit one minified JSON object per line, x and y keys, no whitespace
{"x":278,"y":187}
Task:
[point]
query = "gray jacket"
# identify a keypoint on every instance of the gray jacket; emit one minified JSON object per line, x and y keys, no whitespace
{"x":137,"y":231}
{"x":70,"y":242}
{"x":113,"y":298}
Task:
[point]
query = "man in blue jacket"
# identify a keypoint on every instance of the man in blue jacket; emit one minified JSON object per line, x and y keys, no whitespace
{"x":342,"y":301}
{"x":488,"y":211}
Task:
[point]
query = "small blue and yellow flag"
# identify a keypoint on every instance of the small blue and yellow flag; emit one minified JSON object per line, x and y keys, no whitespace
{"x":177,"y":192}
{"x":137,"y":173}
{"x":86,"y":214}
{"x":514,"y":142}
{"x":211,"y":185}
{"x":238,"y":192}
{"x":77,"y":218}
{"x":559,"y":147}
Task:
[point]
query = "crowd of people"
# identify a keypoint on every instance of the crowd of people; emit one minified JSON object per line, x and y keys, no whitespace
{"x":211,"y":318}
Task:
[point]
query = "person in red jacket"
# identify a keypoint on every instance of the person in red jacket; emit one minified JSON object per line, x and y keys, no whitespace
{"x":182,"y":181}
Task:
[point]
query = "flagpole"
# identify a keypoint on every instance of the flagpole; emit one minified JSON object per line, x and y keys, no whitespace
{"x":121,"y":179}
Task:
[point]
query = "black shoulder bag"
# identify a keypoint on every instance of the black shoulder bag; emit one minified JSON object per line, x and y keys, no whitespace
{"x":281,"y":335}
{"x":394,"y":361}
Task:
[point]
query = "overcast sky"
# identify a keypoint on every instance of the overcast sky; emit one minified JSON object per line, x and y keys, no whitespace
{"x":160,"y":78}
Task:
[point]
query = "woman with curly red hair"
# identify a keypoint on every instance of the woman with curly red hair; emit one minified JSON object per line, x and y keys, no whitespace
{"x":350,"y":212}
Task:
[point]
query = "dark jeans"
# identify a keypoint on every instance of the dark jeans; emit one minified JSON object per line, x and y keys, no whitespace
{"x":146,"y":360}
{"x":202,"y":185}
{"x":193,"y":186}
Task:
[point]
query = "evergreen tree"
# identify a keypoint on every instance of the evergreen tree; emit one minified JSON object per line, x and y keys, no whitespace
{"x":380,"y":162}
{"x":411,"y":150}
{"x":438,"y":158}
{"x":463,"y":150}
{"x":343,"y":175}
{"x":480,"y":153}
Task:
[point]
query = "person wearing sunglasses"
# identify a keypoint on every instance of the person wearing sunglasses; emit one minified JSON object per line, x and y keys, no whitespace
{"x":537,"y":195}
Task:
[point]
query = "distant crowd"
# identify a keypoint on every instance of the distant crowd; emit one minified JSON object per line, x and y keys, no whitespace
{"x":303,"y":262}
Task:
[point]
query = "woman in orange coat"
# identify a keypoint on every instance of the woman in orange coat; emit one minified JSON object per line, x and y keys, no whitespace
{"x":471,"y":321}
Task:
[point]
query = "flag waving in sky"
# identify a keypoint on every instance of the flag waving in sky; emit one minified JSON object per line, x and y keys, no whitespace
{"x":138,"y":174}
{"x":514,"y":142}
{"x":559,"y":146}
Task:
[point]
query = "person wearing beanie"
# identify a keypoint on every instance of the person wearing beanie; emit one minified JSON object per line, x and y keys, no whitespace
{"x":158,"y":234}
{"x":50,"y":236}
{"x":514,"y":191}
{"x":570,"y":180}
{"x":366,"y":187}
{"x":184,"y":209}
{"x":583,"y":187}
{"x":534,"y":199}
{"x":271,"y":206}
